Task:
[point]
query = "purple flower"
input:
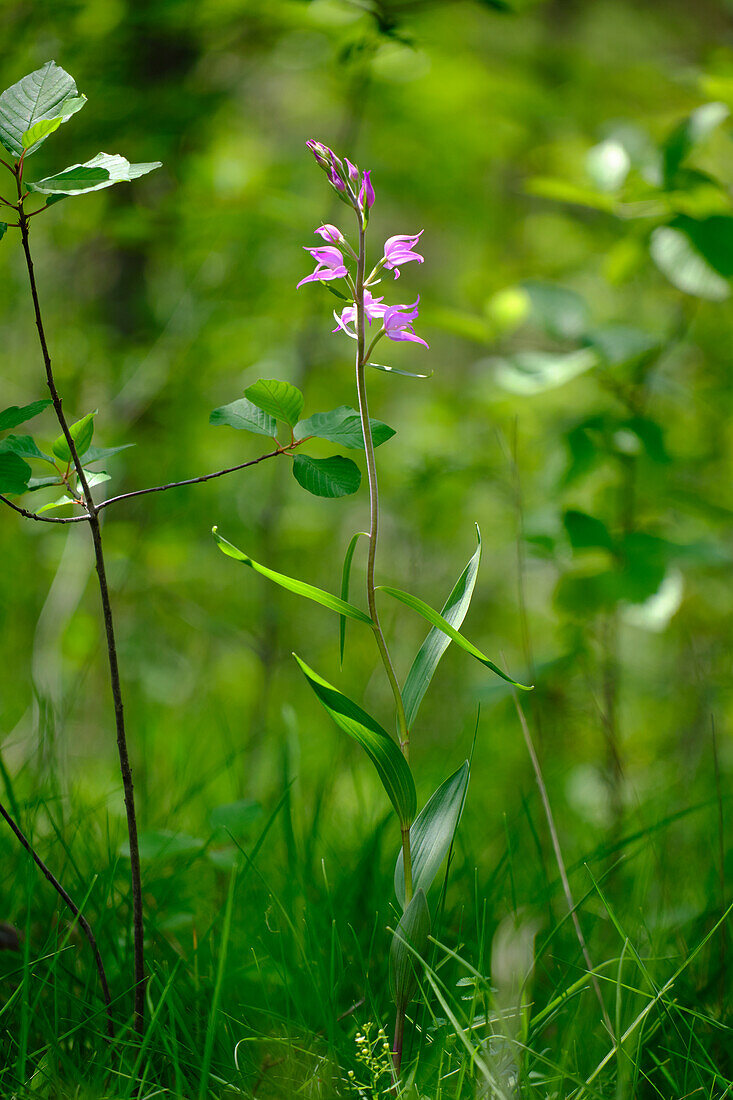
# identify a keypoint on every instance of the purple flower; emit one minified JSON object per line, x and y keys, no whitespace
{"x":336,"y":180}
{"x":398,"y":324}
{"x":372,"y":308}
{"x":353,"y":170}
{"x":330,"y":233}
{"x":366,"y":192}
{"x":323,"y":155}
{"x":398,"y":250}
{"x":329,"y":265}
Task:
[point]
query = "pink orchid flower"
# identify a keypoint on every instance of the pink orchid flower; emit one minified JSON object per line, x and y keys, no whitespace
{"x":372,"y":308}
{"x":398,"y":250}
{"x":366,"y":192}
{"x":398,"y":320}
{"x":330,"y":233}
{"x":329,"y":265}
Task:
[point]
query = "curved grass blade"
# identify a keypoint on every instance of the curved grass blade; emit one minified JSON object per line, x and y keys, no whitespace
{"x":345,"y":577}
{"x":299,"y":587}
{"x":410,"y":938}
{"x":432,"y":832}
{"x":437,"y":619}
{"x":436,"y":643}
{"x":395,"y":370}
{"x":393,"y":769}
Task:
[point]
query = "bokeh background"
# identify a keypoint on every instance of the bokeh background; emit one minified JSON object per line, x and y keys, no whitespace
{"x":578,"y":410}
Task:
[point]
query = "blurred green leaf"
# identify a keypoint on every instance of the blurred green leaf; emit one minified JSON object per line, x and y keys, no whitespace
{"x":530,"y":372}
{"x":430,"y":652}
{"x":393,"y":769}
{"x":676,"y":257}
{"x":159,"y":844}
{"x":690,"y":132}
{"x":245,"y":416}
{"x":101,"y":171}
{"x":342,"y":426}
{"x":81,"y":432}
{"x":713,"y":239}
{"x":345,"y":577}
{"x":437,"y":620}
{"x":565,"y":191}
{"x":327,"y":477}
{"x":3,"y":229}
{"x":43,"y":94}
{"x":432,"y":832}
{"x":410,"y":939}
{"x":236,"y":817}
{"x":300,"y":588}
{"x":562,"y":312}
{"x":16,"y":414}
{"x":14,"y":473}
{"x":619,"y":345}
{"x":586,"y":532}
{"x":608,"y":165}
{"x":279,"y":399}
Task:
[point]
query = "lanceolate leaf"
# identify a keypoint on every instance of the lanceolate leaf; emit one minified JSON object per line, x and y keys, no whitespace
{"x":96,"y":454}
{"x":279,"y":399}
{"x":14,"y":473}
{"x":393,"y":769}
{"x":245,"y":416}
{"x":410,"y":939}
{"x":436,"y":643}
{"x":432,"y":832}
{"x":394,"y":370}
{"x":327,"y":477}
{"x":15,"y":415}
{"x":299,"y":587}
{"x":101,"y":171}
{"x":342,"y":426}
{"x":81,"y":432}
{"x":437,"y":619}
{"x":40,"y":95}
{"x":345,"y":577}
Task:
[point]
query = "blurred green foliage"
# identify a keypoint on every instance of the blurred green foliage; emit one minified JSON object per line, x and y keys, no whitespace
{"x":576,"y":295}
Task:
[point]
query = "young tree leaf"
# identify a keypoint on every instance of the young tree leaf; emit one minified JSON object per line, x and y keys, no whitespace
{"x":327,"y":477}
{"x":437,"y":619}
{"x":96,"y":477}
{"x":279,"y":399}
{"x":60,"y":503}
{"x":299,"y":587}
{"x":101,"y":171}
{"x":410,"y":939}
{"x":342,"y":426}
{"x":393,"y":769}
{"x":43,"y":483}
{"x":16,"y":414}
{"x":40,"y":95}
{"x":430,"y":652}
{"x":24,"y":446}
{"x":432,"y":832}
{"x":242,"y":414}
{"x":14,"y":473}
{"x":345,"y":575}
{"x":81,"y":432}
{"x":34,"y":137}
{"x":96,"y":454}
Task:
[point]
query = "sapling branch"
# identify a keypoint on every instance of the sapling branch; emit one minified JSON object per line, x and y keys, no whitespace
{"x":76,"y":913}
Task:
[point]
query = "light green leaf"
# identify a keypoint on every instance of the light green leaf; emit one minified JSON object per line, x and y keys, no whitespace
{"x":437,"y":619}
{"x":299,"y":587}
{"x":101,"y":171}
{"x":96,"y":454}
{"x":393,"y":769}
{"x":677,"y":258}
{"x":16,"y":414}
{"x":81,"y":432}
{"x":245,"y":416}
{"x":529,"y":372}
{"x":345,"y":576}
{"x":279,"y":399}
{"x":40,"y":95}
{"x":342,"y":426}
{"x":395,"y":370}
{"x":690,"y":132}
{"x":34,"y":137}
{"x":432,"y":832}
{"x":410,"y":939}
{"x":14,"y":473}
{"x":23,"y":445}
{"x":327,"y":477}
{"x":608,"y":165}
{"x":96,"y":477}
{"x":43,"y":483}
{"x":60,"y":503}
{"x":430,"y":652}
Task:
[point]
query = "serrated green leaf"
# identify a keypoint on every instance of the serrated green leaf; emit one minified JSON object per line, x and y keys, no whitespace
{"x":23,"y":445}
{"x":17,"y":414}
{"x":244,"y":416}
{"x":300,"y":588}
{"x":279,"y":399}
{"x":432,"y":832}
{"x":101,"y":171}
{"x":81,"y":432}
{"x":327,"y":477}
{"x":437,"y":619}
{"x":342,"y":426}
{"x":39,"y":95}
{"x":14,"y":473}
{"x":430,"y":652}
{"x":393,"y":769}
{"x":345,"y":576}
{"x":409,"y":941}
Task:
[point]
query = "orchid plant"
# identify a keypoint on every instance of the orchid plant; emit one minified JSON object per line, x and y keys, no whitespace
{"x":425,"y":837}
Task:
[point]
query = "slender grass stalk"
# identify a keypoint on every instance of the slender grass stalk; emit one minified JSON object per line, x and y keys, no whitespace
{"x":114,"y":673}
